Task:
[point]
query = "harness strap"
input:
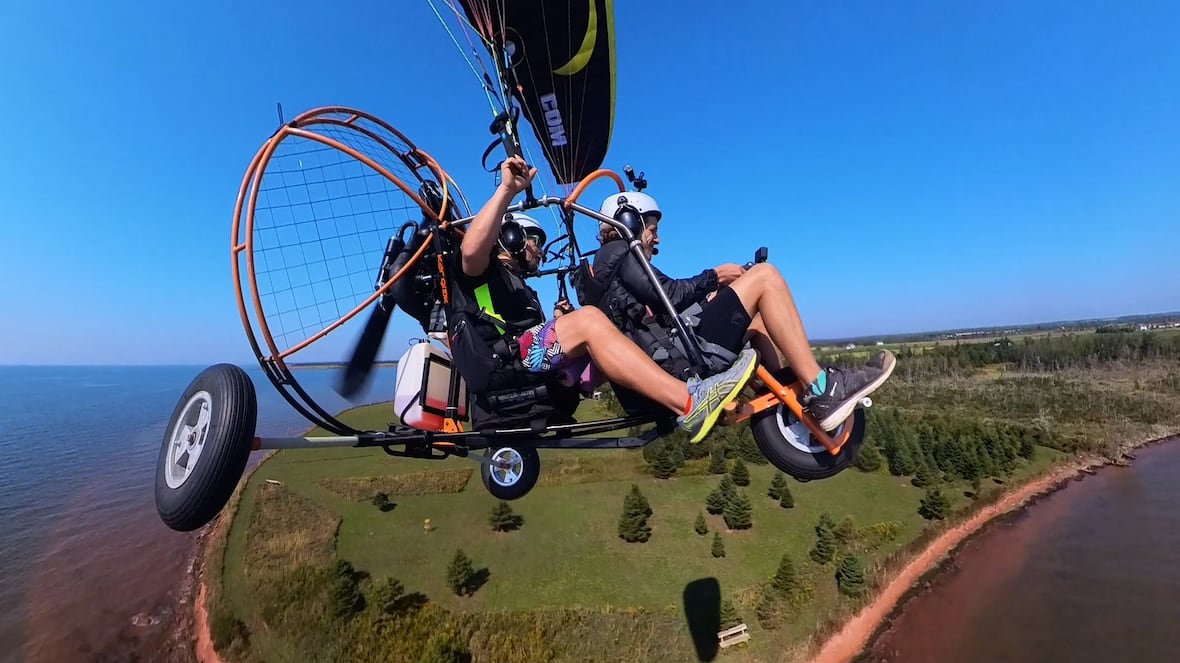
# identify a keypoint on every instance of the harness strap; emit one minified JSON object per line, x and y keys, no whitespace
{"x":483,"y":297}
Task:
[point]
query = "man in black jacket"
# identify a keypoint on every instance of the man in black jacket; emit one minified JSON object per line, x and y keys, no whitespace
{"x":752,"y":306}
{"x":492,"y":283}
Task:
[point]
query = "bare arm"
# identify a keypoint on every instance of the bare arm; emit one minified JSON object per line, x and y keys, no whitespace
{"x":484,"y":229}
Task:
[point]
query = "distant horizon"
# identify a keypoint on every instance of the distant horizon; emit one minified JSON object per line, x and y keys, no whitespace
{"x":252,"y":361}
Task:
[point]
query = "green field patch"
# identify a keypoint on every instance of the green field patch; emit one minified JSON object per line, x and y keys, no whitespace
{"x":362,"y":489}
{"x":287,"y":531}
{"x":574,"y":467}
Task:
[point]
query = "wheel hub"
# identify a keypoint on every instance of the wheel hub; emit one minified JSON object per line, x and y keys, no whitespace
{"x":507,"y":466}
{"x":188,"y":437}
{"x":796,"y":433}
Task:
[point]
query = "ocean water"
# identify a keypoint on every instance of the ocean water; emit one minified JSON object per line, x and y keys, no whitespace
{"x":87,"y":570}
{"x":1088,"y":573}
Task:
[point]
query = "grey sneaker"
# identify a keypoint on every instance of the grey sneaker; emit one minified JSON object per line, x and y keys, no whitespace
{"x":709,"y":396}
{"x":845,"y":387}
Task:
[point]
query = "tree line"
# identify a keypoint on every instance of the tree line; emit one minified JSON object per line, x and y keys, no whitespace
{"x":1042,"y":354}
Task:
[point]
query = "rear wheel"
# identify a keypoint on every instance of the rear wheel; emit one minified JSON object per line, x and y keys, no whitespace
{"x":205,"y":447}
{"x":512,"y":474}
{"x":789,"y":445}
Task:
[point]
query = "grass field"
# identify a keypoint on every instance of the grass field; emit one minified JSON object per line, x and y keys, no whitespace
{"x":567,"y":554}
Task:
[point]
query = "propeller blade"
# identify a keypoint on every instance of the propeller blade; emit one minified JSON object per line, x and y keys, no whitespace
{"x":360,"y":366}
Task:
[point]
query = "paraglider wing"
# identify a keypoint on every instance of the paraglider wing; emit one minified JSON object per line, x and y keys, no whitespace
{"x":560,"y":69}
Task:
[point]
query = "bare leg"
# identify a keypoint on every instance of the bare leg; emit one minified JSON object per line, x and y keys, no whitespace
{"x":759,"y":338}
{"x":587,"y":330}
{"x":764,"y":292}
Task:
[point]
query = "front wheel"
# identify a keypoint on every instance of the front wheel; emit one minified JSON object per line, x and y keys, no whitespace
{"x":788,"y":444}
{"x":513,"y":473}
{"x":205,"y":447}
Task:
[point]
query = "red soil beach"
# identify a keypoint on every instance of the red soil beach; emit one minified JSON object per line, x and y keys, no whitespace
{"x":844,"y":646}
{"x":857,"y":633}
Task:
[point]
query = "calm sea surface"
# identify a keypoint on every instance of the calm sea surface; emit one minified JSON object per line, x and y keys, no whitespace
{"x":87,"y":570}
{"x":1088,"y":573}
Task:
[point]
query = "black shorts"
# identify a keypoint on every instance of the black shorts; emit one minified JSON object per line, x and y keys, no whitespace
{"x":724,"y":321}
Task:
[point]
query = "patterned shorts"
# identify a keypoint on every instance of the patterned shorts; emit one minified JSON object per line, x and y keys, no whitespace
{"x":539,"y":349}
{"x":541,"y":353}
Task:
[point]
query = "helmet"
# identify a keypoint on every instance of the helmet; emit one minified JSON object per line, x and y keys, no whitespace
{"x":643,"y":203}
{"x":516,"y":229}
{"x":629,"y":208}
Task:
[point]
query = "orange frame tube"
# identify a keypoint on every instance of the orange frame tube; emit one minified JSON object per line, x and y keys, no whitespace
{"x":249,"y":190}
{"x":789,"y":395}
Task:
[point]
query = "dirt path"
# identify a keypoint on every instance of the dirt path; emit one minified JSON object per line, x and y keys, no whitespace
{"x":854,"y":636}
{"x":204,"y":644}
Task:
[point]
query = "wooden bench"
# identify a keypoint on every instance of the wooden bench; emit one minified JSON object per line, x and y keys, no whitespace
{"x":732,"y":636}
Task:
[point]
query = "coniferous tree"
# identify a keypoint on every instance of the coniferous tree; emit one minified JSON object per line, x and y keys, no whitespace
{"x":637,"y":500}
{"x":346,"y":597}
{"x":868,"y":459}
{"x":661,"y":465}
{"x":715,"y":502}
{"x":825,"y":546}
{"x":633,"y":525}
{"x":825,"y":522}
{"x":729,"y":614}
{"x":460,"y":573}
{"x":387,"y":596}
{"x":777,"y":484}
{"x":381,"y":501}
{"x":922,"y":478}
{"x":900,"y":459}
{"x":740,"y":474}
{"x":718,"y":549}
{"x":987,"y":466}
{"x":1027,"y":450}
{"x":717,"y":460}
{"x":700,"y":527}
{"x":786,"y":580}
{"x":787,"y":500}
{"x":737,"y":512}
{"x":850,"y":577}
{"x":935,"y":506}
{"x":747,"y":449}
{"x":845,"y":531}
{"x":728,"y":488}
{"x":676,"y":456}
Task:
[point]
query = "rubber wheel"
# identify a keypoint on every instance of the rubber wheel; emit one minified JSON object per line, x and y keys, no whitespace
{"x":788,"y":444}
{"x":205,"y":447}
{"x":782,"y":442}
{"x":516,"y":481}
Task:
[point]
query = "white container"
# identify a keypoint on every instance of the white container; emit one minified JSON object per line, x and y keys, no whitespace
{"x":423,"y":381}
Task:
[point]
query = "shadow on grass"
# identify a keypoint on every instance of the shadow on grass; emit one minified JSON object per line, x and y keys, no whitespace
{"x":702,"y":611}
{"x":478,"y":579}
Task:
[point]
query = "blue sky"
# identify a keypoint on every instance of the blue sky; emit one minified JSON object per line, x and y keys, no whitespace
{"x":910,"y":166}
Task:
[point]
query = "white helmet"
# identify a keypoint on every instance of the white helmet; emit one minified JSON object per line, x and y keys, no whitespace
{"x":529,"y":225}
{"x":643,"y":203}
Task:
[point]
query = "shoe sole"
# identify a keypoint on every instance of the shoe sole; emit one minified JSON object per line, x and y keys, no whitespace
{"x":707,"y":427}
{"x":833,"y":420}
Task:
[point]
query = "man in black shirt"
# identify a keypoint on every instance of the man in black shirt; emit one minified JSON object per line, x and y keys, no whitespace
{"x":492,"y":280}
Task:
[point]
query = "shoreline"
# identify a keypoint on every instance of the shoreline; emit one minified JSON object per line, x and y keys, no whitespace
{"x":857,"y":634}
{"x":847,"y":645}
